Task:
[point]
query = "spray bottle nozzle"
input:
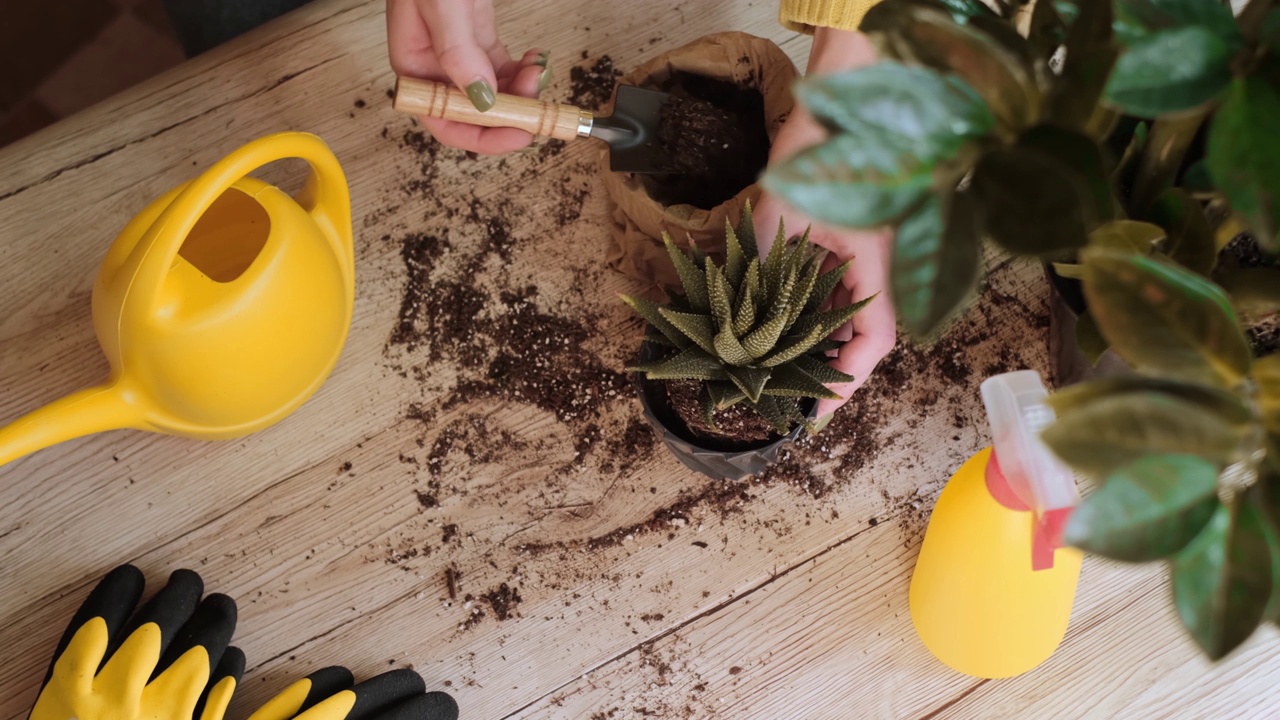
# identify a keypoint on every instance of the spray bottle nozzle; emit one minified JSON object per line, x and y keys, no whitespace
{"x":1023,"y":471}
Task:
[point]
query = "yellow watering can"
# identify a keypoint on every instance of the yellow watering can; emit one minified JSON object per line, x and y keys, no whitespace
{"x":221,"y":307}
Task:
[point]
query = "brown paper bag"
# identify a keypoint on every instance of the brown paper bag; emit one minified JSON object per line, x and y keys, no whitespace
{"x":638,"y":220}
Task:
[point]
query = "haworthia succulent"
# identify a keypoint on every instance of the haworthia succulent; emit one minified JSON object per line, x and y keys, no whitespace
{"x":750,"y":330}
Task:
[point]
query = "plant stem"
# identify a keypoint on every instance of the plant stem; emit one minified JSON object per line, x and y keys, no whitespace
{"x":1162,"y":158}
{"x":1251,"y":17}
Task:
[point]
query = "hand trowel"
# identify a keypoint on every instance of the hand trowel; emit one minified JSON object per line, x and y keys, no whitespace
{"x":630,"y":131}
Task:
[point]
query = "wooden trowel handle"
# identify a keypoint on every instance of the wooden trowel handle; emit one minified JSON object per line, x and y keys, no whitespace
{"x":545,"y":119}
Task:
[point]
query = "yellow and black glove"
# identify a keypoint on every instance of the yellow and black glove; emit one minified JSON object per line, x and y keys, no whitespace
{"x":329,"y":694}
{"x":170,"y":662}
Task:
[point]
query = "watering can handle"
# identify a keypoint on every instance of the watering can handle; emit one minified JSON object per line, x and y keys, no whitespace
{"x":325,"y":196}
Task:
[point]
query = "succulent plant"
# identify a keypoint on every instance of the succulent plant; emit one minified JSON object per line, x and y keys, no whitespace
{"x":751,"y":331}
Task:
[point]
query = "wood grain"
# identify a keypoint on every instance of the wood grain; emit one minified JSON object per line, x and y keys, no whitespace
{"x":437,"y":100}
{"x":625,"y":563}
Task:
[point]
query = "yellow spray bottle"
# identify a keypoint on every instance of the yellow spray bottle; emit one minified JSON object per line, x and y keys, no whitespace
{"x":992,"y":589}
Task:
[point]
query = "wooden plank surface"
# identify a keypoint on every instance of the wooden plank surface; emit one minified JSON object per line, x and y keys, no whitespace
{"x":641,"y":586}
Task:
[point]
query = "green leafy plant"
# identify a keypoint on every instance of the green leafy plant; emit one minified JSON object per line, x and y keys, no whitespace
{"x":1126,"y":142}
{"x":751,"y":331}
{"x":1187,"y":451}
{"x":964,"y":133}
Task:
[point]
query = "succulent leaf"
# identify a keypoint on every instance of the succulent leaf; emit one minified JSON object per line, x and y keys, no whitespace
{"x":691,"y":277}
{"x":747,"y":233}
{"x":730,"y":349}
{"x":720,"y":295}
{"x":735,"y":262}
{"x":690,"y":364}
{"x":744,"y":316}
{"x":821,"y":371}
{"x":826,"y":283}
{"x":790,"y":381}
{"x":773,"y":411}
{"x":697,"y":328}
{"x":830,"y":320}
{"x":804,"y":289}
{"x":725,"y":394}
{"x":793,"y":347}
{"x":750,"y":380}
{"x":652,"y":314}
{"x":708,"y":409}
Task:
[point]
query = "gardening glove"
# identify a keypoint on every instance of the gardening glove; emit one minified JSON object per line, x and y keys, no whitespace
{"x":170,"y":662}
{"x":328,"y":694}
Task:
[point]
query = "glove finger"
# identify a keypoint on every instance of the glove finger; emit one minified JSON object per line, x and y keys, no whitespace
{"x":210,"y":626}
{"x":381,"y":692}
{"x":169,"y":609}
{"x":305,"y":694}
{"x":114,"y":597}
{"x":222,"y":684}
{"x":431,"y":706}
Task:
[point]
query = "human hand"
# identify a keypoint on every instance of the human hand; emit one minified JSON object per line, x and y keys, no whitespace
{"x":457,"y":41}
{"x":873,"y":332}
{"x":328,"y":694}
{"x":170,"y":662}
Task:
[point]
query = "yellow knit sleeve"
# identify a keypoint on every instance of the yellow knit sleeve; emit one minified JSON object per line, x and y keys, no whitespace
{"x":805,"y":15}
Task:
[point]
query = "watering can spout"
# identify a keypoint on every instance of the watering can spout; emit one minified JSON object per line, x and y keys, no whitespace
{"x":96,"y":409}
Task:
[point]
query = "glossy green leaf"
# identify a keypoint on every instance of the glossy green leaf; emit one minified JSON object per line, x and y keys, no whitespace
{"x":1170,"y":71}
{"x":1081,"y":155}
{"x":918,"y":33}
{"x":1222,"y":580}
{"x":912,"y":108}
{"x":1223,"y":404}
{"x":852,"y":181}
{"x":1147,"y":510}
{"x":1112,"y":432}
{"x":691,"y":364}
{"x":1164,"y":319}
{"x":1129,"y":236}
{"x":1244,"y":155}
{"x":1190,"y":241}
{"x":1029,"y":203}
{"x":1137,"y":19}
{"x":935,"y":267}
{"x":691,"y":276}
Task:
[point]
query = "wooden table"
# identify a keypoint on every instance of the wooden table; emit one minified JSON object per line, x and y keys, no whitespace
{"x":644,"y":591}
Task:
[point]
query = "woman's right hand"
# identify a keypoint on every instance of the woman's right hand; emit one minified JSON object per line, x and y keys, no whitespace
{"x":457,"y":41}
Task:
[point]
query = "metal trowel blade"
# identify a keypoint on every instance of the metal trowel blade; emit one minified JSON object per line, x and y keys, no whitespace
{"x":632,"y":131}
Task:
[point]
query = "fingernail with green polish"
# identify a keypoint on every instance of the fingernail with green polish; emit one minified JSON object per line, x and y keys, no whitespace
{"x":481,"y":95}
{"x":542,"y":58}
{"x":544,"y":79}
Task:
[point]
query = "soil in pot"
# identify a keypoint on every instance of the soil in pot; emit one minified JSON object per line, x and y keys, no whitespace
{"x":714,"y":140}
{"x":738,"y":424}
{"x":1242,"y":254}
